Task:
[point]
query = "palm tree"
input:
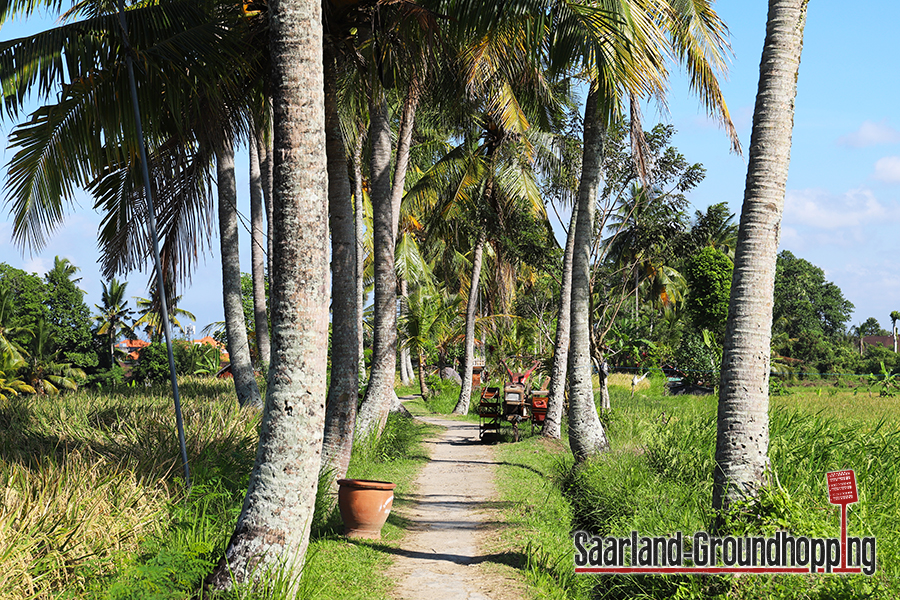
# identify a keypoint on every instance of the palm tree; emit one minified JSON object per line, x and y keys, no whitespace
{"x":10,"y":352}
{"x":200,"y":78}
{"x":895,"y":316}
{"x":636,"y":70}
{"x":586,"y":434}
{"x":114,"y":315}
{"x":149,"y":314}
{"x":235,"y":325}
{"x":273,"y":527}
{"x":63,"y":268}
{"x":11,"y":382}
{"x":343,"y":391}
{"x":86,"y":137}
{"x":258,"y":250}
{"x":404,"y":57}
{"x":429,"y":316}
{"x":42,"y":369}
{"x":715,"y":228}
{"x":742,"y":438}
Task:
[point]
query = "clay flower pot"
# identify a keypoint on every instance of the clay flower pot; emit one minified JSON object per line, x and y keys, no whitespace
{"x":365,"y":506}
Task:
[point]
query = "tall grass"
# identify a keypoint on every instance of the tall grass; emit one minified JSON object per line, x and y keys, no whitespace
{"x":92,"y":504}
{"x":88,"y":479}
{"x":658,"y":480}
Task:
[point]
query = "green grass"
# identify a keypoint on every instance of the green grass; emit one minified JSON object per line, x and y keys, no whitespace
{"x":92,"y":503}
{"x":657,"y":479}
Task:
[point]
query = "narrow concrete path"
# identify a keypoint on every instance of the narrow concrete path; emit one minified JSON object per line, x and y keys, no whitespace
{"x":443,"y":553}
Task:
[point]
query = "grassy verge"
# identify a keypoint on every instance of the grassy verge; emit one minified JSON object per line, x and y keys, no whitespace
{"x":657,"y":480}
{"x":92,"y":505}
{"x":338,"y":568}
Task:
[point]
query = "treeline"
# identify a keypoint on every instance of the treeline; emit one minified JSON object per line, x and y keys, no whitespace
{"x":50,"y":341}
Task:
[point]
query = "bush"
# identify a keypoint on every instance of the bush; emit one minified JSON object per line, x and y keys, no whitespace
{"x":708,"y":274}
{"x":106,"y":378}
{"x":152,"y":365}
{"x":875,"y":356}
{"x":699,"y":362}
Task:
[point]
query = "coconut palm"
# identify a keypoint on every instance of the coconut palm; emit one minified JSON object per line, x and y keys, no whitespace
{"x":43,"y":370}
{"x":149,"y":317}
{"x":235,"y":325}
{"x":272,"y":530}
{"x":11,"y":382}
{"x":623,"y":70}
{"x":402,"y":56}
{"x":742,"y":426}
{"x":895,"y":316}
{"x":716,"y":228}
{"x":86,"y":136}
{"x":430,"y":314}
{"x":202,"y":71}
{"x":343,"y":390}
{"x":258,"y":249}
{"x":114,"y":316}
{"x":10,"y":351}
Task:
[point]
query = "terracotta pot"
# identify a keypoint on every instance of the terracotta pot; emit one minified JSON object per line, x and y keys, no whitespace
{"x":365,"y":506}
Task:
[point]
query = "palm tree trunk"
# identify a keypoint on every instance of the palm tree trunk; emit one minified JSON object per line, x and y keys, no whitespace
{"x":742,"y":438}
{"x":420,"y":363}
{"x":235,"y":326}
{"x":557,"y":393}
{"x":586,"y":435}
{"x":404,"y":141}
{"x":359,"y":220}
{"x":343,"y":393}
{"x":258,"y":250}
{"x":465,"y":393}
{"x":374,"y":410}
{"x":266,"y":164}
{"x":273,"y":528}
{"x":405,"y":365}
{"x":407,"y":123}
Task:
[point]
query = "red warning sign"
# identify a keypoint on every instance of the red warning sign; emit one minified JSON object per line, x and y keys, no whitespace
{"x":842,"y":487}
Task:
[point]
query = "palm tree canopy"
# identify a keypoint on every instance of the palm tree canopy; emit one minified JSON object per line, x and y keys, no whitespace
{"x":198,"y":63}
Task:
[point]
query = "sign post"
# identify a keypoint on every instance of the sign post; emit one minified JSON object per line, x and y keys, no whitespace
{"x":842,"y":490}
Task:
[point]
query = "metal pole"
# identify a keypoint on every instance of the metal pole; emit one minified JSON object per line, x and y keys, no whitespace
{"x":151,"y":214}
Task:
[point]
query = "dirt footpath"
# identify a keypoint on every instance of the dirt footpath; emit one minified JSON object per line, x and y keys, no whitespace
{"x":442,"y":555}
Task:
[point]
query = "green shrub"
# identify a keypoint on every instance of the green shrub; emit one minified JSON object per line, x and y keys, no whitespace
{"x":699,"y":360}
{"x":106,"y":378}
{"x":152,"y":365}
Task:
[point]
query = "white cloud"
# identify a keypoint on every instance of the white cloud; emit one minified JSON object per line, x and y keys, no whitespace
{"x":887,"y":169}
{"x":37,"y":264}
{"x":870,"y":134}
{"x":819,"y":209}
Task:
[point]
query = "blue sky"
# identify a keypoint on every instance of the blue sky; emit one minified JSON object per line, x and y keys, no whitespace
{"x":842,"y":208}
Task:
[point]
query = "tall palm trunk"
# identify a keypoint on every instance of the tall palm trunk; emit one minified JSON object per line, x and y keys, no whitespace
{"x":557,"y":394}
{"x":404,"y":142}
{"x":742,"y":438}
{"x":266,"y":164}
{"x":273,"y":528}
{"x":343,"y":393}
{"x":407,"y":122}
{"x":406,"y":371}
{"x":386,"y":197}
{"x":380,"y":392}
{"x":420,"y":363}
{"x":586,"y":435}
{"x":465,"y":393}
{"x":235,"y":326}
{"x":359,"y":220}
{"x":258,"y":251}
